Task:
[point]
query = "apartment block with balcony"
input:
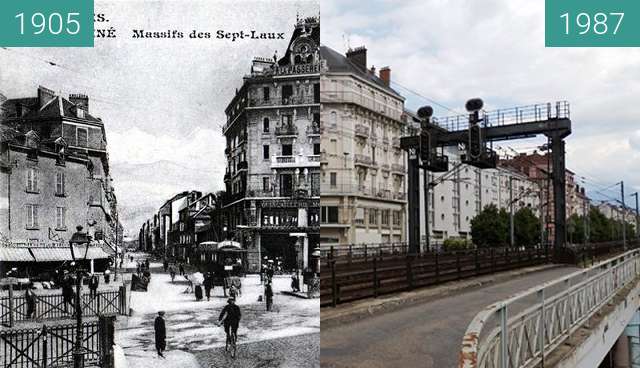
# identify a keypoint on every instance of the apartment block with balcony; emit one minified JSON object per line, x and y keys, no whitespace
{"x":271,"y":203}
{"x":363,"y":169}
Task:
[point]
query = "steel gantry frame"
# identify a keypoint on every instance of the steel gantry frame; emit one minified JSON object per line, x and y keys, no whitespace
{"x":474,"y":131}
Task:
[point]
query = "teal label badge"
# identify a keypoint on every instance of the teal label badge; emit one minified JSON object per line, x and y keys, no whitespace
{"x":46,"y":23}
{"x":592,"y":23}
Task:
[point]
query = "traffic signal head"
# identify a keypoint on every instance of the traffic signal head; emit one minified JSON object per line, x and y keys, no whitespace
{"x":474,"y":104}
{"x":425,"y":112}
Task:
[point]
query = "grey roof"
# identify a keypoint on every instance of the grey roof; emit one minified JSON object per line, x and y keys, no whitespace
{"x":338,"y":63}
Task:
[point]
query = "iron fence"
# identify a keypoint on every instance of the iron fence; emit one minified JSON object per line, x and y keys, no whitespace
{"x":348,"y":278}
{"x":522,"y":330}
{"x":53,"y":345}
{"x":13,"y":307}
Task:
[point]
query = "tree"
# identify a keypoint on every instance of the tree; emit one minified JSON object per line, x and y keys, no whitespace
{"x":526,"y":228}
{"x":490,"y":227}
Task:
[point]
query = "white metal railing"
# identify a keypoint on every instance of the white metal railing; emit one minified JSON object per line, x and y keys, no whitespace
{"x":544,"y":316}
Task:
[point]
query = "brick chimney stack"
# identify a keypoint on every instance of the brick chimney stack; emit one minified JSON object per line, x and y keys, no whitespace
{"x":80,"y":100}
{"x":44,"y":96}
{"x":358,"y":57}
{"x":385,"y":75}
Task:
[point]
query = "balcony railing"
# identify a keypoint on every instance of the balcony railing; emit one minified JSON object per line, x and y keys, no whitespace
{"x":384,"y":167}
{"x":385,"y":140}
{"x":362,"y":131}
{"x":295,"y":161}
{"x":362,"y":190}
{"x":289,"y":101}
{"x":361,"y":99}
{"x":313,"y":129}
{"x":287,"y":130}
{"x":362,"y":160}
{"x":398,"y":168}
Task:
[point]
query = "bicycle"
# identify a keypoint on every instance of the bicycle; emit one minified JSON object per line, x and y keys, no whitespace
{"x":232,"y":339}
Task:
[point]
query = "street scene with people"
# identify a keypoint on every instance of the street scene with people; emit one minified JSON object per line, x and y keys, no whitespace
{"x":174,"y":324}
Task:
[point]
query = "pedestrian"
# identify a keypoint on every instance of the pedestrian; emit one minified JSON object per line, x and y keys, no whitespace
{"x":107,"y":276}
{"x":93,"y":286}
{"x":30,"y":298}
{"x":165,"y":264}
{"x":269,"y":273}
{"x":181,"y":269}
{"x":138,"y":268}
{"x":146,"y":264}
{"x":233,"y":291}
{"x":208,"y":284}
{"x":268,"y":293}
{"x":295,"y":283}
{"x":198,"y":292}
{"x":172,"y":273}
{"x":160,"y":333}
{"x":67,"y":292}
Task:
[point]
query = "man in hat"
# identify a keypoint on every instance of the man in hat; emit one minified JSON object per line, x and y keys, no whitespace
{"x":231,"y":316}
{"x":161,"y":333}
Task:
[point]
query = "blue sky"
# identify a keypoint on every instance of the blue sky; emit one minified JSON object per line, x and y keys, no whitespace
{"x":449,"y":51}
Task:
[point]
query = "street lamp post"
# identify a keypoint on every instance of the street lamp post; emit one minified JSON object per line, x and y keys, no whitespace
{"x":79,"y":238}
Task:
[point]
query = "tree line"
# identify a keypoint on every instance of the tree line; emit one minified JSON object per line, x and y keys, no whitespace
{"x":490,"y":228}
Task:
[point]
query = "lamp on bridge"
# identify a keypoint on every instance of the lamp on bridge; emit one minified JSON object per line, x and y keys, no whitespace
{"x":78,"y":240}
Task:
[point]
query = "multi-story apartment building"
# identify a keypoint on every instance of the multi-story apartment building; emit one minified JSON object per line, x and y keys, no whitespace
{"x":363,"y":169}
{"x":272,"y":179}
{"x":457,"y":196}
{"x":55,"y":173}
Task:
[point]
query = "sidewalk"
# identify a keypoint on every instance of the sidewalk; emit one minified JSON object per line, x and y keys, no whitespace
{"x":353,"y":311}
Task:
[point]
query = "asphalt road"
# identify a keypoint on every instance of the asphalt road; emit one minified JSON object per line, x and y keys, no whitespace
{"x":427,"y":335}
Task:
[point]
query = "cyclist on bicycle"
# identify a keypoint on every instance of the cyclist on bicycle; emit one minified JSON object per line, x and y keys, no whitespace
{"x":231,"y":316}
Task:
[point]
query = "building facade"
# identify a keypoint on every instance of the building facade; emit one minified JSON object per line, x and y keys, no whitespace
{"x":363,"y":169}
{"x":271,"y":203}
{"x":55,"y":173}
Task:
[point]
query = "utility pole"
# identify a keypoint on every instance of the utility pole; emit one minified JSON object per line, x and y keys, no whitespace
{"x":637,"y":232}
{"x":624,"y":221}
{"x":426,"y":210}
{"x":584,"y":219}
{"x":511,"y":235}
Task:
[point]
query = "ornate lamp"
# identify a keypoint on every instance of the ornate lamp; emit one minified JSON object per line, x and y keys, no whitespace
{"x":79,"y":238}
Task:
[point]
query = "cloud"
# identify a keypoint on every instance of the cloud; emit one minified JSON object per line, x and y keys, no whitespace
{"x":451,"y":51}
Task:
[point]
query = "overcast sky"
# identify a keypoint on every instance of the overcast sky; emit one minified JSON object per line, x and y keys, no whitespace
{"x":162,"y":101}
{"x":450,"y":51}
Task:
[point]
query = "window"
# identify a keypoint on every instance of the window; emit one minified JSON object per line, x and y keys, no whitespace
{"x":266,"y":186}
{"x":287,"y":150}
{"x":82,"y":137}
{"x":333,"y":179}
{"x":265,"y":152}
{"x":329,"y":215}
{"x":32,"y":216}
{"x":316,"y":148}
{"x":373,"y":216}
{"x":265,"y":125}
{"x":287,"y":92}
{"x":266,"y":94}
{"x":60,"y":184}
{"x":32,"y":180}
{"x":60,"y":218}
{"x":385,"y":217}
{"x":316,"y":93}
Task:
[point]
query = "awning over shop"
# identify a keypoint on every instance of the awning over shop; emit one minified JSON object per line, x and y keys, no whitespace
{"x":96,"y":253}
{"x":8,"y":254}
{"x":51,"y":254}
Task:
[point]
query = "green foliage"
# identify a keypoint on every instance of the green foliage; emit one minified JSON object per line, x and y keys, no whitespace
{"x":453,"y":244}
{"x":490,"y":227}
{"x":600,"y":228}
{"x":526,"y":228}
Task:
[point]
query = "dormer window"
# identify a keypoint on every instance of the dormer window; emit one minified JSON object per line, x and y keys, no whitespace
{"x":82,"y":137}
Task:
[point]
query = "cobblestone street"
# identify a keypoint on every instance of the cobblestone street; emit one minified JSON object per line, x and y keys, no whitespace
{"x":286,"y":337}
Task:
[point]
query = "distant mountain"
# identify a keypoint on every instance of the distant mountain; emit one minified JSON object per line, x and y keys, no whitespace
{"x":142,"y":188}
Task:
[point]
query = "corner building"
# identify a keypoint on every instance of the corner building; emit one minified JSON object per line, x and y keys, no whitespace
{"x":271,"y":204}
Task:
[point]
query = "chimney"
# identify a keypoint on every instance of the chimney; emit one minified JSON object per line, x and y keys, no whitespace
{"x":358,"y":57}
{"x":372,"y":70}
{"x":80,"y":100}
{"x":385,"y":75}
{"x":44,"y":96}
